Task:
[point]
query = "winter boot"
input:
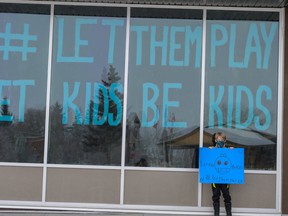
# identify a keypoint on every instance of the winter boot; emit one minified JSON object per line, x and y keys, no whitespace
{"x":228,"y":207}
{"x":216,"y":209}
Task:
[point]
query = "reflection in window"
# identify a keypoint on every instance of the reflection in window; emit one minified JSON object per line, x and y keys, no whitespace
{"x":87,"y":85}
{"x":241,"y":83}
{"x":164,"y":88}
{"x":23,"y":62}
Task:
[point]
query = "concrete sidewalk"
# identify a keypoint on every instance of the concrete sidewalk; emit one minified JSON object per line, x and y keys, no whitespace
{"x":78,"y":214}
{"x":27,"y":213}
{"x":64,"y":213}
{"x":32,"y":213}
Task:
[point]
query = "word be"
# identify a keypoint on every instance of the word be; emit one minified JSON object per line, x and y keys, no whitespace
{"x":150,"y":104}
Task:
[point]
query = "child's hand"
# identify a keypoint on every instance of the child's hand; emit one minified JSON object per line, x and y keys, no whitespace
{"x":231,"y":148}
{"x":211,"y":147}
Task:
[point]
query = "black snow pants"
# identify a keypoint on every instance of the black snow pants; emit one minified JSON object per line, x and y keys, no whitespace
{"x":217,"y":188}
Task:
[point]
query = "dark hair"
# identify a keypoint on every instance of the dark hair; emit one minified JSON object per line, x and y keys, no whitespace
{"x":221,"y":135}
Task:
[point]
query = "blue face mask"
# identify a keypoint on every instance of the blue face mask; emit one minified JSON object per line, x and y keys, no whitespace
{"x":220,"y":144}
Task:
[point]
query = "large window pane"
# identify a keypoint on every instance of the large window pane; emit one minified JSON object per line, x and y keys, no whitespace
{"x":24,"y":32}
{"x":87,"y":85}
{"x":241,"y":83}
{"x":164,"y":88}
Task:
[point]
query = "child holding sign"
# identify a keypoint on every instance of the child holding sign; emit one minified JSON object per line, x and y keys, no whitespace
{"x":219,"y":140}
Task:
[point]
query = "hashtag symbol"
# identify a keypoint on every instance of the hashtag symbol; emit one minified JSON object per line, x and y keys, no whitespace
{"x":7,"y":36}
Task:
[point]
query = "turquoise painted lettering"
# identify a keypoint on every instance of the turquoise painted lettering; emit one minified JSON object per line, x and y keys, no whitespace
{"x":60,"y":57}
{"x":167,"y":103}
{"x":113,"y":23}
{"x":232,"y":43}
{"x":87,"y":103}
{"x":5,"y":101}
{"x":22,"y":84}
{"x":97,"y":119}
{"x":139,"y":38}
{"x":217,"y":29}
{"x":193,"y":37}
{"x":161,"y":44}
{"x":220,"y":36}
{"x":214,"y":106}
{"x":250,"y":105}
{"x":263,"y":90}
{"x":253,"y":38}
{"x":268,"y":39}
{"x":5,"y":118}
{"x":150,"y":103}
{"x":97,"y":109}
{"x":230,"y":106}
{"x":78,"y":41}
{"x":242,"y":119}
{"x":114,"y":88}
{"x":68,"y":103}
{"x":169,"y":36}
{"x":175,"y":46}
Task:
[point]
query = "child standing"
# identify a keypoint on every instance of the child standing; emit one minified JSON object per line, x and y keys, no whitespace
{"x":219,"y":140}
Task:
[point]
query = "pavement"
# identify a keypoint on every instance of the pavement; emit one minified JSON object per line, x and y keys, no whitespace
{"x":65,"y":213}
{"x":82,"y":214}
{"x":79,"y":214}
{"x":27,"y":213}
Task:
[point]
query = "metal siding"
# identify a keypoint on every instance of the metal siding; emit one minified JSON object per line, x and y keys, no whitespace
{"x":216,"y":3}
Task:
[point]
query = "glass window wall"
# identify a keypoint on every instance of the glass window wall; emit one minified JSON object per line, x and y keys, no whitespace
{"x":24,"y":36}
{"x":164,"y":94}
{"x":241,"y":88}
{"x":87,"y":85}
{"x":163,"y":90}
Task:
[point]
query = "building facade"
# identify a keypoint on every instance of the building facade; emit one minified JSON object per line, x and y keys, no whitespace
{"x":104,"y":105}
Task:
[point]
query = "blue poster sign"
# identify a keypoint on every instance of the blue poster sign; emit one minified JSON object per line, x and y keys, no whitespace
{"x":221,"y":165}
